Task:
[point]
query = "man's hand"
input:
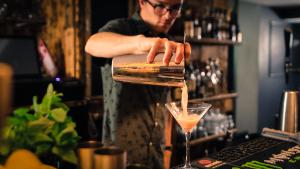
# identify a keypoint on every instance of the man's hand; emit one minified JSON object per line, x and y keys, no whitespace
{"x":156,"y":45}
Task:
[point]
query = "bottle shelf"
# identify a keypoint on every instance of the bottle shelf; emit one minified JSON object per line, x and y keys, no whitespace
{"x":222,"y":96}
{"x":213,"y":137}
{"x":209,"y":41}
{"x":217,"y":97}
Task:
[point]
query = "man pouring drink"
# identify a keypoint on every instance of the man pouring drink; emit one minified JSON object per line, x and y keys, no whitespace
{"x":134,"y":114}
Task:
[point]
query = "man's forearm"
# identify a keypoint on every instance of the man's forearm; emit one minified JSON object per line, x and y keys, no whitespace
{"x":108,"y":45}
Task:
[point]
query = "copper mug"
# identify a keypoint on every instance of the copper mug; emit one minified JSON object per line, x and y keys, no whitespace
{"x":134,"y":69}
{"x":6,"y":73}
{"x":86,"y":153}
{"x":110,"y":157}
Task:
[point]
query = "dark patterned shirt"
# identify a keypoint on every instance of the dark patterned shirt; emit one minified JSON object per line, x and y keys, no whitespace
{"x":133,"y":113}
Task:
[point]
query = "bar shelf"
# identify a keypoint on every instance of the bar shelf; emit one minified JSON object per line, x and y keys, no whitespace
{"x":209,"y":138}
{"x":221,"y":96}
{"x":208,"y":41}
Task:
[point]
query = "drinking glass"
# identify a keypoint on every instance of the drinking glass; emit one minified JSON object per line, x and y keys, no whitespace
{"x":187,"y":122}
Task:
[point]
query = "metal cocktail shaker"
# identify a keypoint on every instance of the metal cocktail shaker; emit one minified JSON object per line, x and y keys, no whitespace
{"x":289,"y":112}
{"x":134,"y":69}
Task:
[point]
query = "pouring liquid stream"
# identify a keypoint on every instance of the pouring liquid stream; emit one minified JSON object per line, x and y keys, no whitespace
{"x":184,"y":89}
{"x":186,"y":120}
{"x":184,"y":99}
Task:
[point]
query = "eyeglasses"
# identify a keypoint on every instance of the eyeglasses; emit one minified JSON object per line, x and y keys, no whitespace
{"x":161,"y":9}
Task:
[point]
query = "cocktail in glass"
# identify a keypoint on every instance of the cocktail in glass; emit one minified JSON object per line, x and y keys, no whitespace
{"x":188,"y":119}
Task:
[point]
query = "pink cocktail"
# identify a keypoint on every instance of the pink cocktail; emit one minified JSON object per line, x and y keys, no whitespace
{"x":188,"y":122}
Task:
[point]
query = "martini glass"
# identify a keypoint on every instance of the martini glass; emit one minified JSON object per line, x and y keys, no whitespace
{"x":187,"y":121}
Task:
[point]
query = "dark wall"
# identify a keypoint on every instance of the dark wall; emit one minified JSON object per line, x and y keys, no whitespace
{"x":291,"y":12}
{"x":294,"y":77}
{"x":102,"y":12}
{"x":287,"y":11}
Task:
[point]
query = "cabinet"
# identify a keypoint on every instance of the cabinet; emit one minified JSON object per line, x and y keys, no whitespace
{"x":212,"y":29}
{"x":212,"y":67}
{"x":203,"y":52}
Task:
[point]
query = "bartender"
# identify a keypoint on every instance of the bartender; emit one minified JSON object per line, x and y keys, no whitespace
{"x":134,"y":115}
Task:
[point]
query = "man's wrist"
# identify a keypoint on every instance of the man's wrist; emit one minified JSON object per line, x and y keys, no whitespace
{"x":140,"y":40}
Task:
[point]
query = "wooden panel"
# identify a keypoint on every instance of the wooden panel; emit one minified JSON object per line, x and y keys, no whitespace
{"x":63,"y":35}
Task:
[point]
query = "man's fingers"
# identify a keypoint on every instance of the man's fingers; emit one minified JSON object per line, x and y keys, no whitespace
{"x":153,"y":51}
{"x":168,"y":52}
{"x":188,"y":50}
{"x":179,"y":53}
{"x":181,"y":50}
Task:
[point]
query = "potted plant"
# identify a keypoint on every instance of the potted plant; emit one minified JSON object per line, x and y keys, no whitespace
{"x":44,"y":128}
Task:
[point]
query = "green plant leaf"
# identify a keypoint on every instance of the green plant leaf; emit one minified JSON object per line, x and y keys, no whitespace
{"x":67,"y":155}
{"x":43,"y":148}
{"x":16,"y":121}
{"x":69,"y":139}
{"x":56,"y":98}
{"x":58,"y":114}
{"x":41,"y":137}
{"x":40,"y":124}
{"x":47,"y":99}
{"x":68,"y":130}
{"x":21,"y":112}
{"x":24,"y":113}
{"x":55,"y":129}
{"x":4,"y":148}
{"x":35,"y":104}
{"x":5,"y":132}
{"x":62,"y":105}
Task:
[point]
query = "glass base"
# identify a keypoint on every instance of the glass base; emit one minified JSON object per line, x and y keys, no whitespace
{"x":184,"y":167}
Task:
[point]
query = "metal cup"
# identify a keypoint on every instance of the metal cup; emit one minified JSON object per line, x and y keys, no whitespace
{"x":289,"y":112}
{"x":134,"y":69}
{"x":86,"y":154}
{"x":110,"y":157}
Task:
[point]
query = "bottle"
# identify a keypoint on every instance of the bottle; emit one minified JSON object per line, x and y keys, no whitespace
{"x":226,"y":24}
{"x":217,"y":24}
{"x":239,"y":34}
{"x":230,"y":122}
{"x":190,"y":79}
{"x":222,"y":24}
{"x":199,"y":81}
{"x":204,"y":23}
{"x":189,"y":23}
{"x":197,"y":28}
{"x":234,"y":30}
{"x":192,"y":85}
{"x":233,"y":27}
{"x":209,"y":24}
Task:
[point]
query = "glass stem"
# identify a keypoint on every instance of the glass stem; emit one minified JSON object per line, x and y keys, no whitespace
{"x":187,"y":150}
